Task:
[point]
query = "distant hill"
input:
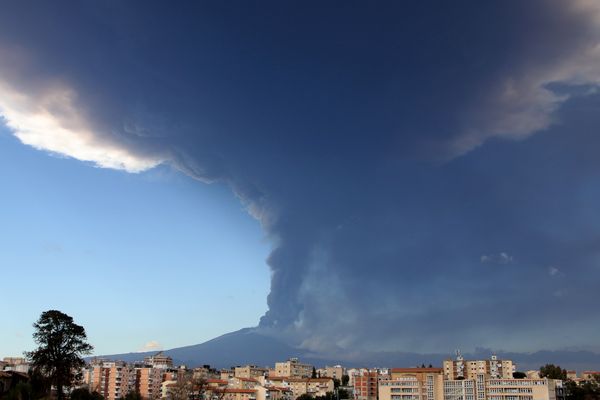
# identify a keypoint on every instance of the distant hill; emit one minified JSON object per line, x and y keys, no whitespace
{"x":248,"y":346}
{"x":245,"y":346}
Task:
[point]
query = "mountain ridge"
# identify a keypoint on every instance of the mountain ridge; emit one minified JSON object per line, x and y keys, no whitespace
{"x":248,"y":346}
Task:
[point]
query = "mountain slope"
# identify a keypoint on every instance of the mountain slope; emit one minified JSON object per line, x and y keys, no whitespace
{"x":247,"y":346}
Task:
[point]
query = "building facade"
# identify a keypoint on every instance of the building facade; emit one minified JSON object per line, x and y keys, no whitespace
{"x":250,"y":371}
{"x":366,"y":384}
{"x":293,"y":368}
{"x":311,"y":386}
{"x":468,"y":369}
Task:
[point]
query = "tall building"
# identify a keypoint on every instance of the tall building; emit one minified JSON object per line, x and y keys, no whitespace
{"x":366,"y":385}
{"x":148,"y":382}
{"x":112,"y":379}
{"x":461,"y":368}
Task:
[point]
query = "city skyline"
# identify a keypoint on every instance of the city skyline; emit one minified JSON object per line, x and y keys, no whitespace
{"x":344,"y":178}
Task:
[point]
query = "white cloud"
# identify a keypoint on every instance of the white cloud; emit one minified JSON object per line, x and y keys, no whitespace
{"x":152,"y":345}
{"x":47,"y":115}
{"x":554,"y":271}
{"x":500,"y":258}
{"x":520,"y":104}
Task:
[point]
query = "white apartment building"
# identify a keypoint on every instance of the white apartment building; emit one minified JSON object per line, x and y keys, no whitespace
{"x":468,"y":369}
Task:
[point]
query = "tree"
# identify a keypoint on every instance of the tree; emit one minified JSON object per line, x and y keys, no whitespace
{"x":314,"y":373}
{"x":519,"y":375}
{"x":552,"y":371}
{"x":327,"y":396}
{"x":198,"y":388}
{"x":587,"y":390}
{"x":62,"y":343}
{"x":84,"y":394}
{"x":345,"y":380}
{"x":132,"y":396}
{"x":305,"y":396}
{"x":22,"y":391}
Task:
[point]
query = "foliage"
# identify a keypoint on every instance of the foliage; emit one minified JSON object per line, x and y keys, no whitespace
{"x":336,"y":383}
{"x":40,"y":386}
{"x":519,"y":375}
{"x":132,"y":396}
{"x":552,"y":371}
{"x":62,"y":343}
{"x":84,"y":394}
{"x":345,"y":380}
{"x":305,"y":396}
{"x":314,"y":373}
{"x":328,"y":396}
{"x":343,"y":394}
{"x":22,"y":391}
{"x":198,"y":388}
{"x":587,"y":390}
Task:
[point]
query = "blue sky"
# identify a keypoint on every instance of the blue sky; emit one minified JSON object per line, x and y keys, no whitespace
{"x":134,"y":258}
{"x":426,"y":168}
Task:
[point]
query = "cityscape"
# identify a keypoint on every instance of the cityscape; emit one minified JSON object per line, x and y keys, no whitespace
{"x":299,"y":200}
{"x":156,"y":377}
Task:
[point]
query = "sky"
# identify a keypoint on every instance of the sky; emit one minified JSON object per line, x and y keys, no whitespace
{"x":137,"y":274}
{"x":344,"y":176}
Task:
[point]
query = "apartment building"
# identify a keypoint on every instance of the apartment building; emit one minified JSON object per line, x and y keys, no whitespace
{"x":235,"y":394}
{"x":243,"y":383}
{"x":366,"y":385}
{"x":16,"y":364}
{"x":159,"y":360}
{"x":216,"y":383}
{"x":149,"y":381}
{"x":293,"y":368}
{"x":205,"y":372}
{"x":273,"y":393}
{"x":590,"y":375}
{"x":412,"y":384}
{"x":226,"y":373}
{"x":275,"y":381}
{"x":523,"y":389}
{"x":112,"y":379}
{"x":335,"y":372}
{"x":250,"y":371}
{"x":312,"y":386}
{"x":468,"y":369}
{"x":463,"y":389}
{"x":485,"y":388}
{"x":352,"y":372}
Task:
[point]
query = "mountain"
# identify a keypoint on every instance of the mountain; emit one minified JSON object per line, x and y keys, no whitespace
{"x":248,"y":346}
{"x":242,"y":347}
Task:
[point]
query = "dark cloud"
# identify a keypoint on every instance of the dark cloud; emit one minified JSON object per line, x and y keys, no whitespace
{"x":368,"y":141}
